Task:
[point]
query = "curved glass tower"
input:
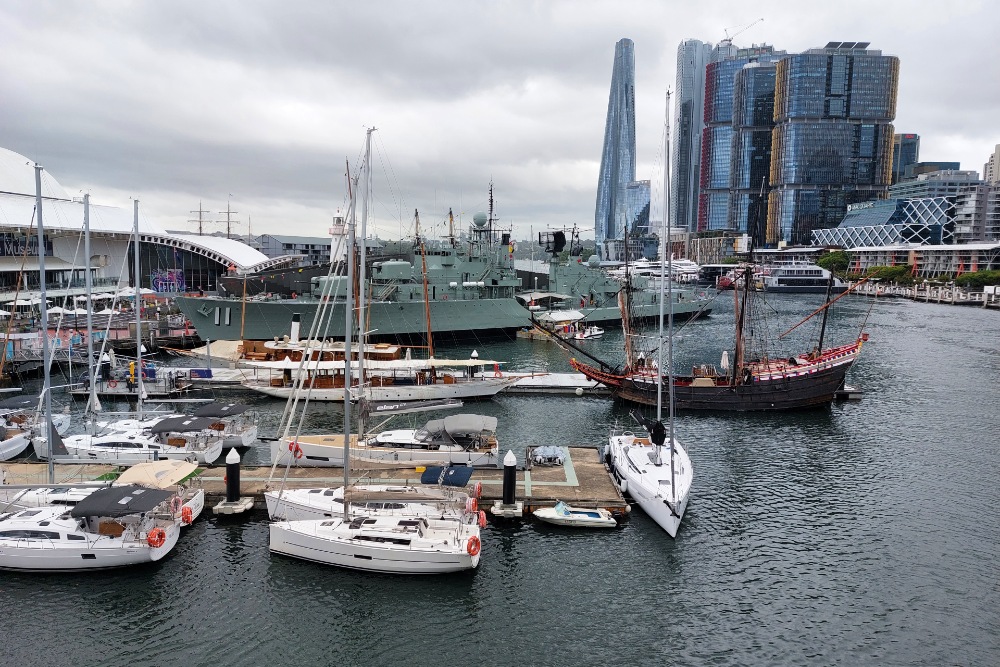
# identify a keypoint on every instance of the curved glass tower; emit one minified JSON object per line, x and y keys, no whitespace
{"x":618,"y":156}
{"x":832,"y":143}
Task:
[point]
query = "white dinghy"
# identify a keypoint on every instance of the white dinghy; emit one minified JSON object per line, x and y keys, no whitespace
{"x":576,"y":517}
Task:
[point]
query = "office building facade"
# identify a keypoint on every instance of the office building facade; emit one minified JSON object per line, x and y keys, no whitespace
{"x":689,"y":112}
{"x":750,"y":160}
{"x":905,"y":151}
{"x":618,"y":155}
{"x":832,"y":142}
{"x":718,"y":135}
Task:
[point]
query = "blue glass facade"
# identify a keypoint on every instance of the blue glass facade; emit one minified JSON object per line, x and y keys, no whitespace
{"x":637,"y":207}
{"x":689,"y":115}
{"x":718,"y":136}
{"x":832,"y":144}
{"x":618,"y":155}
{"x":749,"y":178}
{"x":905,"y":151}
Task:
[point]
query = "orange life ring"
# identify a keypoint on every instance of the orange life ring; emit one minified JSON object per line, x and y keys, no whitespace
{"x":471,"y":505}
{"x":175,"y":505}
{"x":156,"y":538}
{"x":143,"y":375}
{"x":482,"y":519}
{"x":294,"y":448}
{"x":496,"y":371}
{"x":187,"y":515}
{"x":477,"y":490}
{"x":112,"y":384}
{"x":473,"y":546}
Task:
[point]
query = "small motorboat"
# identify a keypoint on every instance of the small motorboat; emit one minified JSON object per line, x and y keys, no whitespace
{"x":589,"y":333}
{"x":576,"y":517}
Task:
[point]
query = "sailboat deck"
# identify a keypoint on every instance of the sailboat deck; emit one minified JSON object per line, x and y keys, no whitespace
{"x":582,"y":480}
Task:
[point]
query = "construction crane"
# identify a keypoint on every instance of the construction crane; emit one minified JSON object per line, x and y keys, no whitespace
{"x":729,"y":38}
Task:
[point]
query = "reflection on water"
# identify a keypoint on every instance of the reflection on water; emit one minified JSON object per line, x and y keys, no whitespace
{"x":864,"y":533}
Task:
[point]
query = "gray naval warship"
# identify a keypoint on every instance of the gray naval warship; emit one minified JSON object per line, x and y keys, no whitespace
{"x":472,"y":293}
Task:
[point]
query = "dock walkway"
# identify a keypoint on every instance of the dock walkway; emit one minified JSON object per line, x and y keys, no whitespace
{"x":581,"y":480}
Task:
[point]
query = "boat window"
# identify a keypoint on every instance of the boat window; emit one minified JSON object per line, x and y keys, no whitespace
{"x":383,"y":540}
{"x":29,"y":534}
{"x":89,"y":556}
{"x":73,"y":536}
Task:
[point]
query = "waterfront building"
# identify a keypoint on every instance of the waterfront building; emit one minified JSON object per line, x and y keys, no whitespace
{"x":832,"y":144}
{"x":890,"y":222}
{"x":308,"y":250}
{"x":917,"y":168}
{"x":717,"y":137}
{"x":905,"y":151}
{"x":750,"y":162}
{"x":618,"y":155}
{"x":689,"y":111}
{"x":991,"y":170}
{"x":969,"y":194}
{"x":170,"y":261}
{"x":929,"y":261}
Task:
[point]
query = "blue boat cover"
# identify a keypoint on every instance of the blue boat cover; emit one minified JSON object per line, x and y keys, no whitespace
{"x":448,"y":476}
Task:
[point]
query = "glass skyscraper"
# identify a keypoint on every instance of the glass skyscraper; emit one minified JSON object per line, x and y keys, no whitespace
{"x":717,"y":137}
{"x":750,"y":161}
{"x":832,"y":143}
{"x":618,"y":156}
{"x":905,"y":151}
{"x":689,"y":119}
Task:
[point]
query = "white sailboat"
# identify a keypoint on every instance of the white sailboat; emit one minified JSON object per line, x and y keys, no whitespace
{"x":110,"y":527}
{"x":392,"y":544}
{"x":658,"y":481}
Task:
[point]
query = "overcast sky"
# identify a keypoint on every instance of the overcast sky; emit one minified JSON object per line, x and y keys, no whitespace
{"x":258,"y":105}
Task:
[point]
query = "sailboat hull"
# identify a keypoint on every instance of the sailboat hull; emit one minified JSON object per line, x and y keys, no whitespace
{"x":332,"y":543}
{"x":659,"y":492}
{"x":780,"y":386}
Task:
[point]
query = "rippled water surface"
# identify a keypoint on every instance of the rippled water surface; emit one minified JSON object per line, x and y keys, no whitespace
{"x":865,"y":533}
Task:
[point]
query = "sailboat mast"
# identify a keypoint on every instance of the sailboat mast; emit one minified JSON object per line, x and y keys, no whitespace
{"x":138,"y":312}
{"x":826,"y":312}
{"x":362,"y":294}
{"x":349,"y":322}
{"x":670,"y":302}
{"x":46,"y":350}
{"x":89,"y":283}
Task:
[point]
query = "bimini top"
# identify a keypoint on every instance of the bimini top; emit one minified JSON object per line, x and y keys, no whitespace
{"x":181,"y":425}
{"x":118,"y":501}
{"x":221,"y":410}
{"x":162,"y":474}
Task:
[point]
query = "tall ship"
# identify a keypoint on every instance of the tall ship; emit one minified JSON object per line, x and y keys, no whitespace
{"x":467,"y":287}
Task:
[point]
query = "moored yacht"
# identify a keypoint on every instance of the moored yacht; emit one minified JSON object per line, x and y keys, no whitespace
{"x":111,"y":527}
{"x":396,"y":545}
{"x":462,"y":439}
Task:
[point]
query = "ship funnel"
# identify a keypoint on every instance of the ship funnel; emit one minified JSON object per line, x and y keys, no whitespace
{"x":296,"y":325}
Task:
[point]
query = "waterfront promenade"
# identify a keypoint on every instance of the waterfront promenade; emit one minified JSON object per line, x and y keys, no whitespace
{"x":927,"y":293}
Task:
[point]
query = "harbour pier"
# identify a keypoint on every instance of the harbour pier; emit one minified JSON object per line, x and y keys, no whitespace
{"x":582,"y":479}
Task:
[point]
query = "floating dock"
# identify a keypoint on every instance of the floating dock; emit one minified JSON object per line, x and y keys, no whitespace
{"x":582,"y":480}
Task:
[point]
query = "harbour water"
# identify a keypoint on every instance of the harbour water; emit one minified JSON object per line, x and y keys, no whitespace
{"x":865,"y":533}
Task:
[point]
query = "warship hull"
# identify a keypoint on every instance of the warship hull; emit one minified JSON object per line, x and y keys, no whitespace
{"x":403,"y":322}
